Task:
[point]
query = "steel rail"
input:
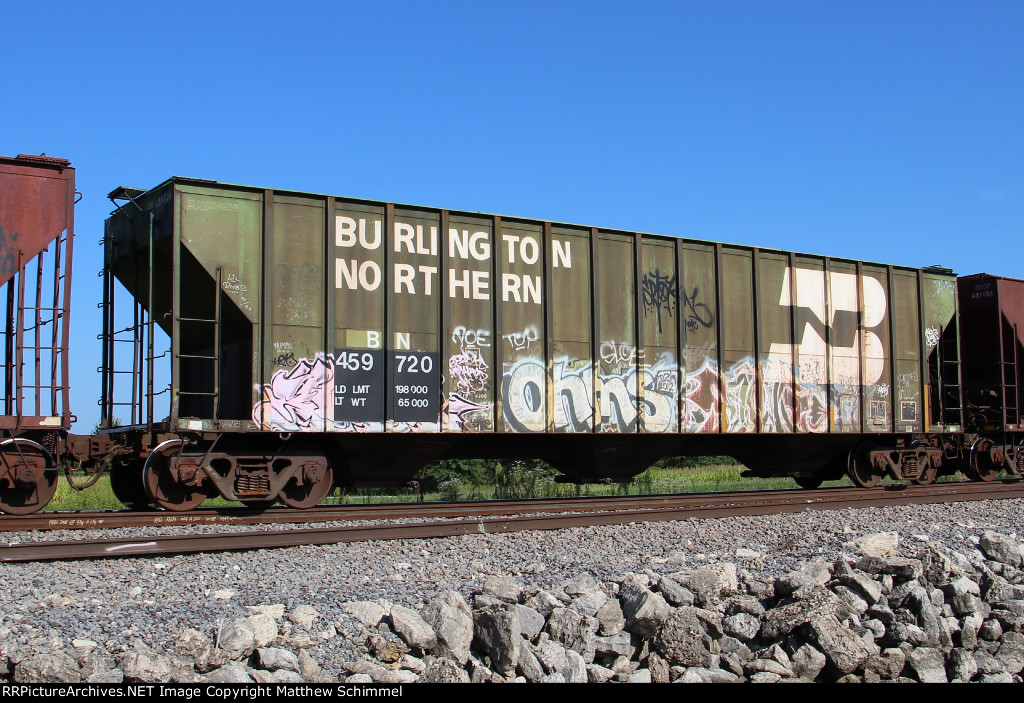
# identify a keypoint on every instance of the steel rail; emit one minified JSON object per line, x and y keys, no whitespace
{"x":101,"y":519}
{"x":769,"y":503}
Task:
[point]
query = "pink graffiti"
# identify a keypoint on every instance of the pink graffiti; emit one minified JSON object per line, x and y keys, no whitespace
{"x":458,"y":408}
{"x":293,"y":400}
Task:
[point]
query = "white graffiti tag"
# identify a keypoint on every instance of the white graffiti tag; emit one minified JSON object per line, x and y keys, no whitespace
{"x":469,"y":372}
{"x":523,"y":339}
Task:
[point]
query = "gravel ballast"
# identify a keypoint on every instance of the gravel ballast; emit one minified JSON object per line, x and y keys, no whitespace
{"x":695,"y":598}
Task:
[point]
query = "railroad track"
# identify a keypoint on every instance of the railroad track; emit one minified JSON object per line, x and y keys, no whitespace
{"x":453,"y":519}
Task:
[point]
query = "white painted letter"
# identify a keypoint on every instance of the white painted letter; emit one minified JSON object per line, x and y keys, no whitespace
{"x":405,"y":274}
{"x":562,"y":256}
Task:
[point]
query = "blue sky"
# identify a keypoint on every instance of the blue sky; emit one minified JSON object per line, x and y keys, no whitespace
{"x":889,"y":132}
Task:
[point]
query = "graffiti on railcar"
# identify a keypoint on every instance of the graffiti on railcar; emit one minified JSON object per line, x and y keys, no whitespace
{"x":660,"y":382}
{"x":572,"y":383}
{"x":463,"y":413}
{"x":740,"y":382}
{"x":846,"y":407}
{"x":522,"y":391}
{"x":294,"y":399}
{"x":467,"y":338}
{"x":811,"y":394}
{"x":469,"y":372}
{"x":618,"y":396}
{"x":618,"y":356}
{"x":695,"y":313}
{"x":660,"y":294}
{"x":812,"y":408}
{"x":469,"y":405}
{"x":943,"y":289}
{"x":701,"y":397}
{"x":521,"y":340}
{"x":776,"y":396}
{"x":298,"y":290}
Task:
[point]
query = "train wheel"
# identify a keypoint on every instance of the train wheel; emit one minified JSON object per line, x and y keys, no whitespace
{"x":808,"y":482}
{"x":28,"y":476}
{"x":313,"y":481}
{"x":859,"y":467}
{"x":981,"y":466}
{"x":167,"y":488}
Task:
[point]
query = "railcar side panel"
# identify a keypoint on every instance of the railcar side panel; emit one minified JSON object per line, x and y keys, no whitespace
{"x":356,"y":395}
{"x":659,"y":290}
{"x":775,"y":342}
{"x":876,"y":340}
{"x":470,"y":339}
{"x":520,"y":270}
{"x":907,"y":351}
{"x":844,"y":346}
{"x":617,"y":334}
{"x":739,"y":375}
{"x":573,"y":388}
{"x":700,"y":316}
{"x":942,"y":347}
{"x":308,"y":313}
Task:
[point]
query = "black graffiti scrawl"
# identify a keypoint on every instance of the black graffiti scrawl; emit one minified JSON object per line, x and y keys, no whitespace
{"x":660,"y":293}
{"x":662,"y":296}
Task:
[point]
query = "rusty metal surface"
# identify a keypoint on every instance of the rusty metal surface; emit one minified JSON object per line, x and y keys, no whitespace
{"x":992,"y":329}
{"x":34,"y":198}
{"x":763,"y":503}
{"x":37,"y":197}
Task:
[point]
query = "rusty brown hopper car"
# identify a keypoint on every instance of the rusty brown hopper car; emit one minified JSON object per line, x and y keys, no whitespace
{"x":37,"y":197}
{"x":314,"y":339}
{"x":992,"y":319}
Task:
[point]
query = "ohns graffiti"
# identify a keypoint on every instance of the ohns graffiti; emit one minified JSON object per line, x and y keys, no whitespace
{"x":573,"y":384}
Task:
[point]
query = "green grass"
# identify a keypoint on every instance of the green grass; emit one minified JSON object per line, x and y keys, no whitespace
{"x":516,"y":480}
{"x":97,"y":497}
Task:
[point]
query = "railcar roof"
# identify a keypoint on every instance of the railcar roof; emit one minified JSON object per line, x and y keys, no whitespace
{"x":121,"y":191}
